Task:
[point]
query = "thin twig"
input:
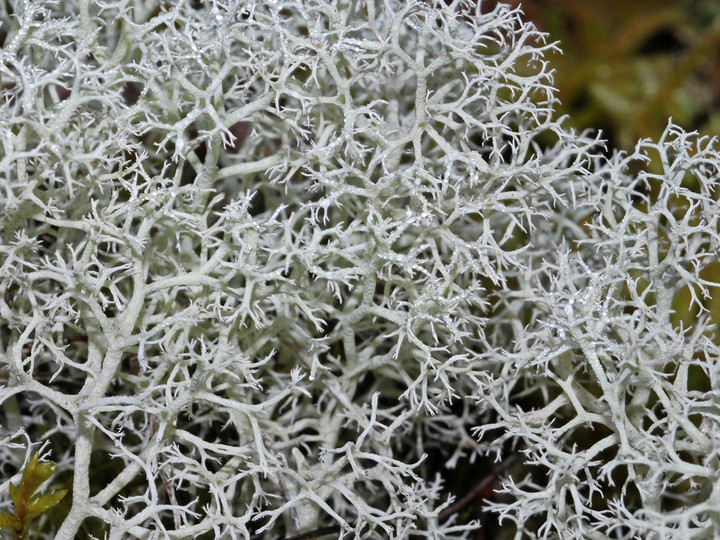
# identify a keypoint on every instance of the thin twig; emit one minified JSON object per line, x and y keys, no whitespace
{"x":452,"y":509}
{"x":177,"y":518}
{"x":479,"y":487}
{"x":286,"y":496}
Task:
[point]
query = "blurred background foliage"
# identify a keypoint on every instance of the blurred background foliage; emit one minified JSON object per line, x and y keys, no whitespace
{"x":627,"y":66}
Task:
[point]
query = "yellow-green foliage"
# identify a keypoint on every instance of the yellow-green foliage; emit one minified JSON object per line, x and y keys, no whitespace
{"x":28,"y":504}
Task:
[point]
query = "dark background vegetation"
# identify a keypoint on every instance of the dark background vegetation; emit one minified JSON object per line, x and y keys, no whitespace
{"x":628,"y":65}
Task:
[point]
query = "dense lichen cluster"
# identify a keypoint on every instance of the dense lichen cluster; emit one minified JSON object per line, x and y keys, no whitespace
{"x":269,"y":268}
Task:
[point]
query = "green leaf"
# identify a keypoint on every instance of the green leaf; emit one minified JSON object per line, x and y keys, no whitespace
{"x":28,"y":504}
{"x":41,"y":503}
{"x":34,"y":475}
{"x":14,"y":494}
{"x":7,"y":521}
